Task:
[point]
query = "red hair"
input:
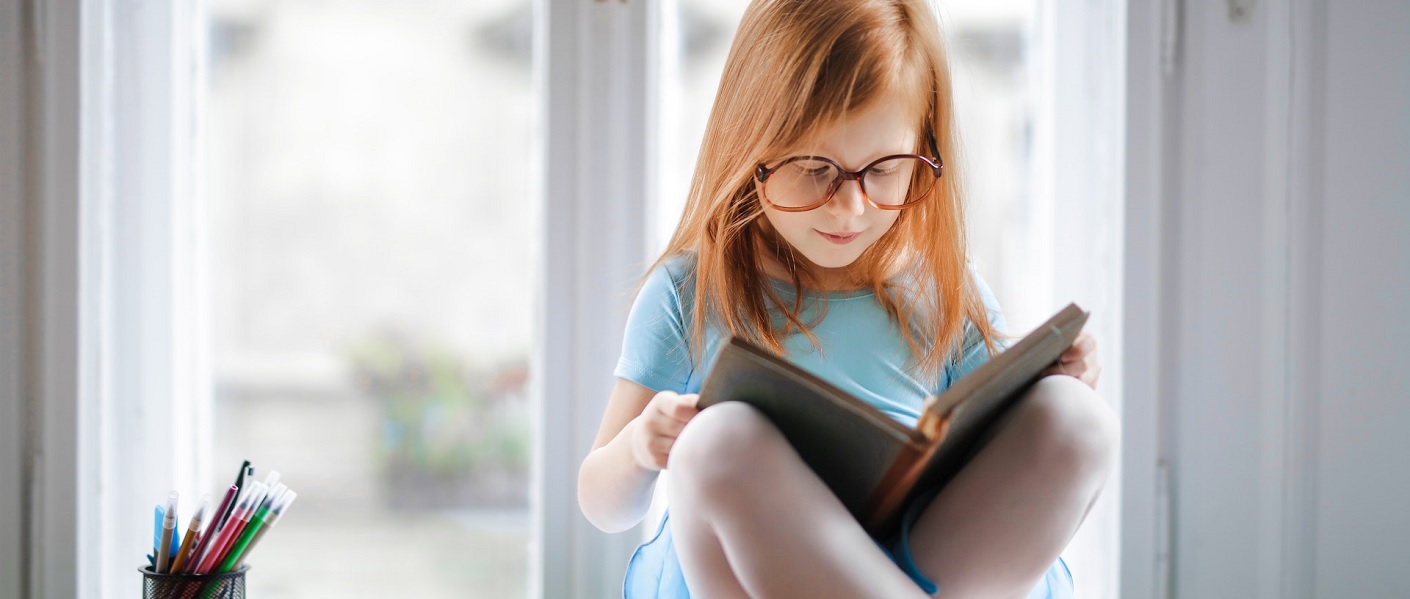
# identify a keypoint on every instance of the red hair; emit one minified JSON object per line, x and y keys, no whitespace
{"x":796,"y":67}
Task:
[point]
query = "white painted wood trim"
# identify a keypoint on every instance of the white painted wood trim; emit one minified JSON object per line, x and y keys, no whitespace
{"x":1274,"y":437}
{"x":64,"y":498}
{"x":112,"y":98}
{"x":1143,"y":573}
{"x":1305,"y":48}
{"x":15,"y":290}
{"x":142,"y":202}
{"x":1078,"y":141}
{"x":593,"y":64}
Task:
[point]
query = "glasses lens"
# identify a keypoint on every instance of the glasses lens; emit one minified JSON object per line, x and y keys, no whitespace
{"x":887,"y":182}
{"x":800,"y":183}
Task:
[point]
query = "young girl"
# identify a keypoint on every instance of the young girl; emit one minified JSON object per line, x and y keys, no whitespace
{"x":822,"y":223}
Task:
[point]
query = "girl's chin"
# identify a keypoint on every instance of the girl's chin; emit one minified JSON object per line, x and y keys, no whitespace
{"x":831,"y":260}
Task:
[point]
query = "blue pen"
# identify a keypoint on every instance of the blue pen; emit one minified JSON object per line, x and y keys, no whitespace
{"x":158,"y":516}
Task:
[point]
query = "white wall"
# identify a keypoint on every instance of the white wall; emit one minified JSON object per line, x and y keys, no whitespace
{"x":1285,"y":275}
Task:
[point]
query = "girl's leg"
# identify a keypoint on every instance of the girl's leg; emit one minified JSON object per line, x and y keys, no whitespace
{"x":750,"y":519}
{"x":1003,"y":520}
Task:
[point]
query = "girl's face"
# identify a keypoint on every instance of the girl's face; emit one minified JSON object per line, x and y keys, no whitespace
{"x":834,"y":235}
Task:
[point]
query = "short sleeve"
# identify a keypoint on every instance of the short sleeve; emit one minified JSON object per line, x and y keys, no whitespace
{"x":974,"y":352}
{"x":655,"y":347}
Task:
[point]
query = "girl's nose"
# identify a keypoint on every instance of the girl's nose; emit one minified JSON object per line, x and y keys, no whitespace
{"x":848,"y":200}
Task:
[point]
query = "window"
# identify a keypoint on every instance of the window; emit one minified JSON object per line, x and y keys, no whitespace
{"x":121,"y":243}
{"x":372,"y":229}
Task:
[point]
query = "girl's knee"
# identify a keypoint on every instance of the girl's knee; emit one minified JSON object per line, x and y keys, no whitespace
{"x":722,"y":446}
{"x":1071,"y":425}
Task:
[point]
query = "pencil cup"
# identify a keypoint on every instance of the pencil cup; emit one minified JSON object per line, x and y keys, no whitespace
{"x":224,"y":585}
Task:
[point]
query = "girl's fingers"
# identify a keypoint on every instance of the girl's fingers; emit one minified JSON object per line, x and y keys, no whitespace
{"x":661,"y":446}
{"x":682,"y":407}
{"x":669,"y":427}
{"x":669,"y":414}
{"x":1083,"y":346}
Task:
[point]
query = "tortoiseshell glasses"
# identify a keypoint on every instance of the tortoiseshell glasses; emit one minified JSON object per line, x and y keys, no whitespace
{"x":802,"y":183}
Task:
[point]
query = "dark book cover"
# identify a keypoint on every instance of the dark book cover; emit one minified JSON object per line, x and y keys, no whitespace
{"x":873,"y":463}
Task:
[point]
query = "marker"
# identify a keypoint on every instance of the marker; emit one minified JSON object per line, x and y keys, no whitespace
{"x":232,"y":557}
{"x":193,"y":531}
{"x":245,"y":469}
{"x":212,"y":528}
{"x":168,"y":532}
{"x":277,"y":513}
{"x":216,"y":552}
{"x":212,"y":540}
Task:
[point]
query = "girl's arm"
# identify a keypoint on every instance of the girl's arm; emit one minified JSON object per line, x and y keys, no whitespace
{"x":632,"y":446}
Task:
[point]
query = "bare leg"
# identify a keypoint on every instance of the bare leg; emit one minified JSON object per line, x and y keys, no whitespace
{"x":998,"y":526}
{"x":751,"y":520}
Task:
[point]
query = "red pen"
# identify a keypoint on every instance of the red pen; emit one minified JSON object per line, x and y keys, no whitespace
{"x":212,"y":527}
{"x":233,"y":526}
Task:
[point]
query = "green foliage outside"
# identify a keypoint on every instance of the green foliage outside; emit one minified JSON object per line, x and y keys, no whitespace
{"x":440,"y":419}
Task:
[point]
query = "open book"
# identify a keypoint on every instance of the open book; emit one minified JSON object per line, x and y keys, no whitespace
{"x":873,"y":463}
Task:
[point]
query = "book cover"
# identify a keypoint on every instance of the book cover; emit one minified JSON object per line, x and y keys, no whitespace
{"x":873,"y":463}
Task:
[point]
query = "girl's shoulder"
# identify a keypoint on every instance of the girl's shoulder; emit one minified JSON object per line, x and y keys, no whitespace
{"x":673,"y":275}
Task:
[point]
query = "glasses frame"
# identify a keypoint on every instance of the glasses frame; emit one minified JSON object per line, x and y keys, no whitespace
{"x":762,"y":173}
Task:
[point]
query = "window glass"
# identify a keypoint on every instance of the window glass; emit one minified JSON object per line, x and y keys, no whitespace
{"x":373,"y":228}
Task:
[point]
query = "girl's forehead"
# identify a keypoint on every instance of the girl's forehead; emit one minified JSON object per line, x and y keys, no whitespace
{"x":882,"y":128}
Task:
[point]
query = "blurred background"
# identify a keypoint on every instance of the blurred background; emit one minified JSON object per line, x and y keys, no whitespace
{"x":374,"y":236}
{"x":336,"y":236}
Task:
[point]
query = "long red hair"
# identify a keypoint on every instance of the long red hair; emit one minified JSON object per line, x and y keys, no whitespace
{"x":795,"y":67}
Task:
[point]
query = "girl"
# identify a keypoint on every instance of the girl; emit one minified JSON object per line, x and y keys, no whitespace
{"x":822,"y":223}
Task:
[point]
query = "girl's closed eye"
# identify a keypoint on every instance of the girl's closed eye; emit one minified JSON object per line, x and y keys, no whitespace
{"x":812,"y":169}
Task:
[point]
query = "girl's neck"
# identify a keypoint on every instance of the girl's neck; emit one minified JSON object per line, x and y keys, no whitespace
{"x":814,"y":277}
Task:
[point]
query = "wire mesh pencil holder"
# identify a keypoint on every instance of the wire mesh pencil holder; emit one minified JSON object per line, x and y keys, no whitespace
{"x":223,"y":585}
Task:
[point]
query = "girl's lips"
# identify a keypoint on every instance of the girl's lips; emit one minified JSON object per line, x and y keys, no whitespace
{"x":839,"y":238}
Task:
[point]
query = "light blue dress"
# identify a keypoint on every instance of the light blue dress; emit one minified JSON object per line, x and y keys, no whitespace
{"x":863,"y":352}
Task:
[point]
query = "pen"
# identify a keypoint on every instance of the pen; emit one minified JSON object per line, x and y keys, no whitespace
{"x":212,"y":527}
{"x":277,"y":512}
{"x":168,"y":530}
{"x":232,"y":528}
{"x":232,"y":557}
{"x":193,"y":530}
{"x":213,"y":540}
{"x":238,"y":526}
{"x":245,"y":468}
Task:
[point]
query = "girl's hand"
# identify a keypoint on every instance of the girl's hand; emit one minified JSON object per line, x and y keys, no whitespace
{"x":656,"y":429}
{"x":1080,"y":361}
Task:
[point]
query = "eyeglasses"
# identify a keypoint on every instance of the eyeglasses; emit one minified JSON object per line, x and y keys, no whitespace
{"x":802,"y":183}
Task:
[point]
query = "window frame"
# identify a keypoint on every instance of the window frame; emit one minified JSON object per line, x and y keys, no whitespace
{"x":596,"y":63}
{"x":112,"y":314}
{"x":14,"y":224}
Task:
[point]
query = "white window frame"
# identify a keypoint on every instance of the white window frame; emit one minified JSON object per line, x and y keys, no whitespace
{"x":14,"y":330}
{"x":596,"y":63}
{"x":1148,"y":61}
{"x":109,"y":307}
{"x":1078,"y":141}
